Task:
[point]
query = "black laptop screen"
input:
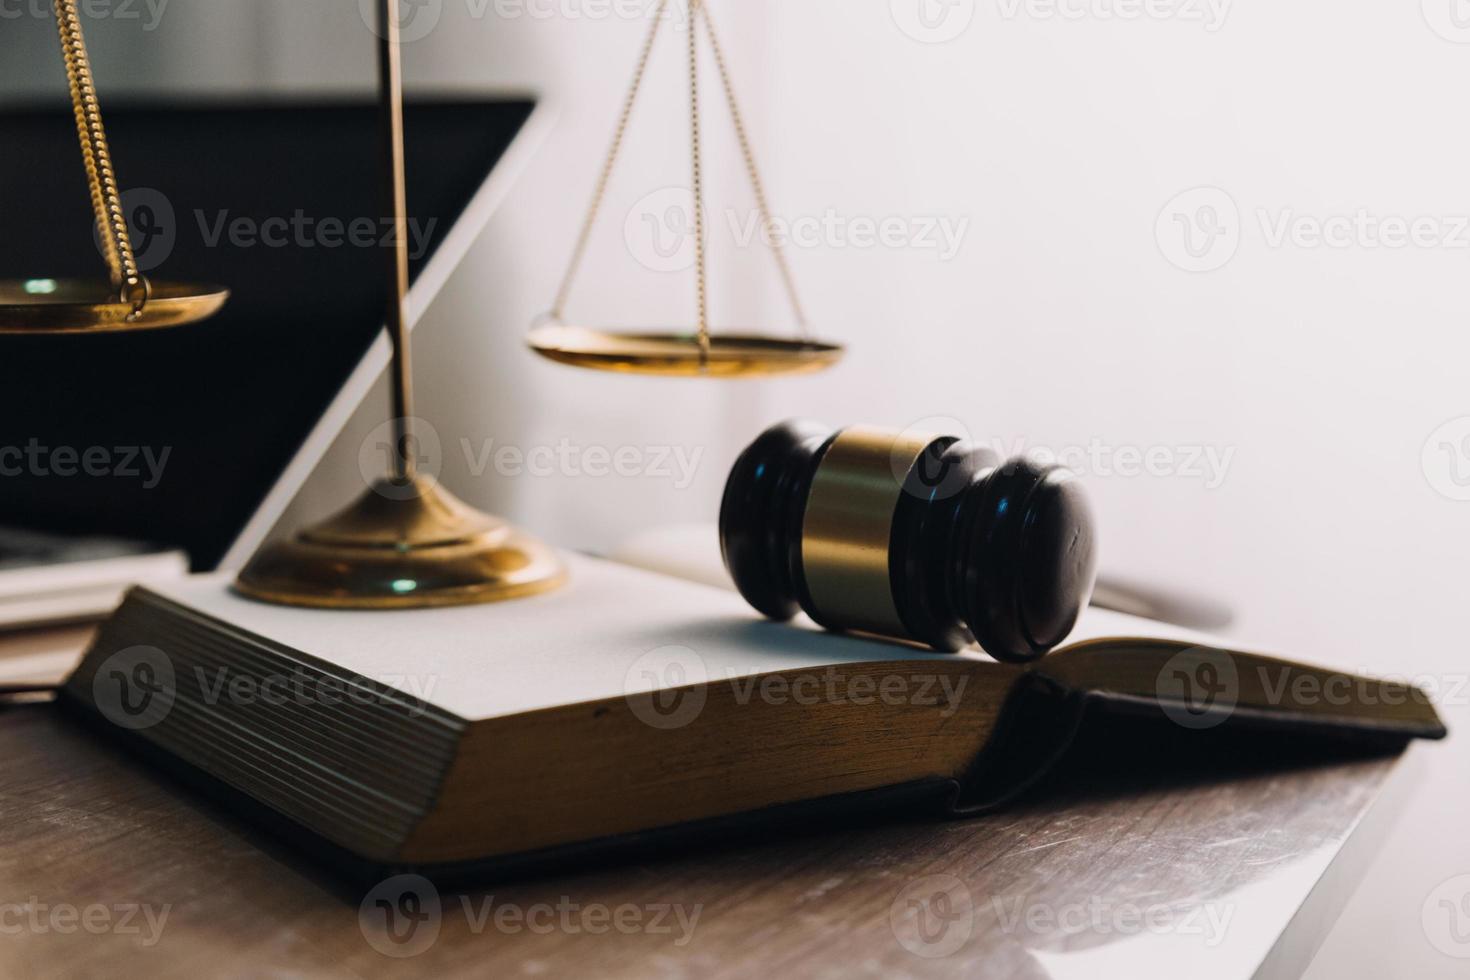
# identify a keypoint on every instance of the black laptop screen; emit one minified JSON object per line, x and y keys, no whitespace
{"x":176,"y":436}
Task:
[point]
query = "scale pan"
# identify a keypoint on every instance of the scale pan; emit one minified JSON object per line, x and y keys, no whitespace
{"x":678,"y":354}
{"x":47,"y":306}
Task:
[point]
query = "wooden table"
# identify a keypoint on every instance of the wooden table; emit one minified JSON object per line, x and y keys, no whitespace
{"x":1201,"y":864}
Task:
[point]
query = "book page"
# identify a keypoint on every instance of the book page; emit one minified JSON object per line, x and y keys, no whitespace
{"x":1096,"y":625}
{"x":611,"y":631}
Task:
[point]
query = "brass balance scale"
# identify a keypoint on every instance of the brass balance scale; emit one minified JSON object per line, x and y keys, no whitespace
{"x":127,"y":300}
{"x":683,"y":353}
{"x":406,"y":542}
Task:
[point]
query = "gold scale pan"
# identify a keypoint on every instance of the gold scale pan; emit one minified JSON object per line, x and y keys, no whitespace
{"x":127,"y":300}
{"x":681,"y":353}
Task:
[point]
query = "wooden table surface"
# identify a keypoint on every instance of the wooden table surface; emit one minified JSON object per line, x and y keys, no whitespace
{"x":1221,"y":863}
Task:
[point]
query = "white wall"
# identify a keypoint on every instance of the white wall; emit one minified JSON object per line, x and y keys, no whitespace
{"x":1325,"y":370}
{"x":1059,"y":142}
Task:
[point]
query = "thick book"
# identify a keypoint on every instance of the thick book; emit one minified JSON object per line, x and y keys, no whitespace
{"x":632,"y":708}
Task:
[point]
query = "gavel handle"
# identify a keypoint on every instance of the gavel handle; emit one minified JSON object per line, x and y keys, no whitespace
{"x":1160,"y":602}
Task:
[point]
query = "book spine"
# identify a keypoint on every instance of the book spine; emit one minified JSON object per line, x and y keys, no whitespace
{"x":1037,"y":725}
{"x":1102,"y":739}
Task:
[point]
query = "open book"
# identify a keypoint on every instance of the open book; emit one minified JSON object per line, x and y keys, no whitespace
{"x":631,"y":704}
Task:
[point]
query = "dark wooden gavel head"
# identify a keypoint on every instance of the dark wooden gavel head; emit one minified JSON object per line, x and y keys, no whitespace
{"x":923,"y":538}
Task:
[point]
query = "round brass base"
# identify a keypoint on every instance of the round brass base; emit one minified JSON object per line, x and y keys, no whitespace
{"x":44,"y":306}
{"x":402,"y":546}
{"x":678,"y":354}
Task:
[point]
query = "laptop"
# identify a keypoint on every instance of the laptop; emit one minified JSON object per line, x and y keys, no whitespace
{"x":193,"y":441}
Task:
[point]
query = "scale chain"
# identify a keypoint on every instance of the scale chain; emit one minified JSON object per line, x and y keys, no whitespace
{"x":600,"y":192}
{"x":757,"y":186}
{"x":112,"y":223}
{"x":697,"y":187}
{"x":697,"y":10}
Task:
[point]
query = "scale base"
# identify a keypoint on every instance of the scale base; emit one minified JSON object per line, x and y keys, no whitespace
{"x":402,"y":546}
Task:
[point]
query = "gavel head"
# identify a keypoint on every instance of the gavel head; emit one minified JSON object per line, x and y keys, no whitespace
{"x":917,"y":537}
